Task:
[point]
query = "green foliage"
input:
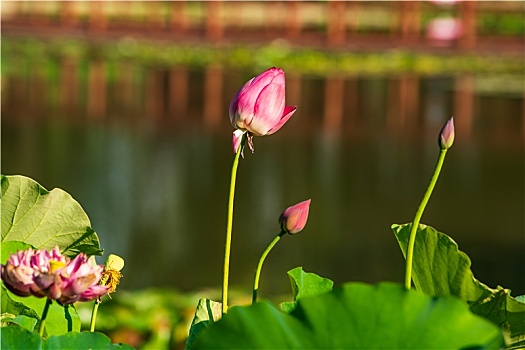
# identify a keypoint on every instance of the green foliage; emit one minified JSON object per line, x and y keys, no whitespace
{"x":82,"y":340}
{"x":255,"y":57}
{"x":440,"y":268}
{"x":305,"y":284}
{"x":28,"y":323}
{"x":20,"y":338}
{"x":208,"y":311}
{"x":355,"y":315}
{"x":42,"y":218}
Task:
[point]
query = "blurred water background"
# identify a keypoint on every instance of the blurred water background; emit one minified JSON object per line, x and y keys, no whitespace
{"x":139,"y":134}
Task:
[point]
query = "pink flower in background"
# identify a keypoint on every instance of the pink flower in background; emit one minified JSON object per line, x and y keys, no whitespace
{"x":444,"y":30}
{"x":446,"y":136}
{"x":259,"y":106}
{"x":294,"y":218}
{"x":48,"y":274}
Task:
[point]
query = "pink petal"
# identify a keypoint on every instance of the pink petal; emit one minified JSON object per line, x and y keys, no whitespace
{"x":288,"y":112}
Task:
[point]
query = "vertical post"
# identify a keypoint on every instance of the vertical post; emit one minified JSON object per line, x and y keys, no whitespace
{"x":97,"y":19}
{"x":293,"y":19}
{"x":155,"y":18}
{"x":336,"y":22}
{"x":353,"y":21}
{"x":464,"y":104}
{"x":409,"y":99}
{"x":178,"y":92}
{"x":351,"y":98}
{"x":333,"y":103}
{"x":178,"y":16}
{"x":38,"y":93}
{"x":468,"y":19}
{"x":410,"y":21}
{"x":273,"y":12}
{"x":213,"y":96}
{"x":293,"y":89}
{"x":68,"y":15}
{"x":403,"y":97}
{"x":125,"y":87}
{"x":69,"y":91}
{"x":97,"y":90}
{"x":154,"y":94}
{"x":214,"y":25}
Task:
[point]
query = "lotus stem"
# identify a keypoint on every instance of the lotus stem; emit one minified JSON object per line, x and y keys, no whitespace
{"x":227,"y":249}
{"x":94,"y":316}
{"x":259,"y":265}
{"x":44,"y":316}
{"x":417,"y":219}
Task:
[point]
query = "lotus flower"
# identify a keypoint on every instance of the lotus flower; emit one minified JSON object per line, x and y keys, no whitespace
{"x":294,"y":218}
{"x":259,"y":106}
{"x":444,"y":30}
{"x":48,"y":274}
{"x":446,"y":136}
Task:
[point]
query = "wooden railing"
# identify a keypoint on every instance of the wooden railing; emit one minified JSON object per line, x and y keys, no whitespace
{"x":337,"y":24}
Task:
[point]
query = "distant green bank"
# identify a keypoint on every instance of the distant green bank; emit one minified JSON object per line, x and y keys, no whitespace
{"x":257,"y":57}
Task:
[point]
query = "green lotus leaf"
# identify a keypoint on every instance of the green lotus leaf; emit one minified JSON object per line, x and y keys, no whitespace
{"x":305,"y":284}
{"x":355,"y":316}
{"x":44,"y":219}
{"x":440,"y":268}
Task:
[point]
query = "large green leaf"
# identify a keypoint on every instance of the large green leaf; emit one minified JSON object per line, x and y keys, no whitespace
{"x":42,"y":218}
{"x":14,"y":337}
{"x":305,"y":284}
{"x":358,"y":316}
{"x":440,"y":268}
{"x":60,"y":319}
{"x":82,"y":340}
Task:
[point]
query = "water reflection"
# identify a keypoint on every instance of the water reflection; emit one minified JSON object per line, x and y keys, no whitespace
{"x":147,"y":152}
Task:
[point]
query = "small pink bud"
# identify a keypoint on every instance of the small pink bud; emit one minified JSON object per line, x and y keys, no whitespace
{"x":446,"y":137}
{"x":294,"y":218}
{"x":259,"y":106}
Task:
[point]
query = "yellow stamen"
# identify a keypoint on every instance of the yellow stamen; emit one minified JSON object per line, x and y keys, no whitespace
{"x":110,"y":278}
{"x":55,"y":265}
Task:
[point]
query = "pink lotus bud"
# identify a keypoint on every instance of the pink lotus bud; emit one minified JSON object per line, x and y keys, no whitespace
{"x":259,"y":106}
{"x":446,"y":137}
{"x":294,"y":218}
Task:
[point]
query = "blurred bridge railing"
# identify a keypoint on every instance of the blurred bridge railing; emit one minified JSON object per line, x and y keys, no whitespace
{"x":461,"y":25}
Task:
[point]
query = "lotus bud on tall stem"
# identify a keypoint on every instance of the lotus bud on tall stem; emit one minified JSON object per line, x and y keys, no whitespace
{"x":445,"y":141}
{"x":238,"y":146}
{"x":292,"y":221}
{"x":259,"y":109}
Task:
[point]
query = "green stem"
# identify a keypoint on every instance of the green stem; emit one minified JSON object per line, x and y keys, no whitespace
{"x":229,"y":226}
{"x":44,"y":316}
{"x":94,"y":316}
{"x":259,"y":266}
{"x":417,"y":218}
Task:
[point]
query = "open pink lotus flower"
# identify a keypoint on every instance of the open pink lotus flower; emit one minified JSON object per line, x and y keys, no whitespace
{"x":294,"y":218}
{"x":48,"y":274}
{"x":259,"y":106}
